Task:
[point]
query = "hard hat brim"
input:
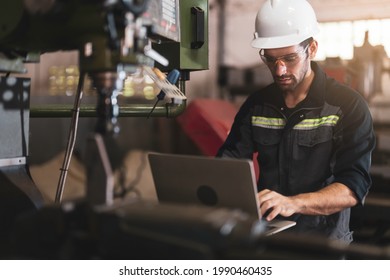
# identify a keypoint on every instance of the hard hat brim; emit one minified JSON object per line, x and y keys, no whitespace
{"x":279,"y":42}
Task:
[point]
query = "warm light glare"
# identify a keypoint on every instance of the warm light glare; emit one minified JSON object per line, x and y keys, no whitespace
{"x":338,"y":39}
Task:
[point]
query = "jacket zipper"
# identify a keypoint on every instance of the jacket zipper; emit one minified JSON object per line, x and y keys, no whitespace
{"x":289,"y":146}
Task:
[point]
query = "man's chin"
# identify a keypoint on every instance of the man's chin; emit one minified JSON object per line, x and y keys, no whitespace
{"x":284,"y":86}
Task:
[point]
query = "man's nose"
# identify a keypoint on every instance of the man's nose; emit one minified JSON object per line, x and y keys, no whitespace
{"x":280,"y":68}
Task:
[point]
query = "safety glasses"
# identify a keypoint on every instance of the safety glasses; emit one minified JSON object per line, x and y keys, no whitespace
{"x":289,"y":59}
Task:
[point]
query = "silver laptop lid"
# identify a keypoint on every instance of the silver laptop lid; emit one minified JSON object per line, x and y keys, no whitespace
{"x":216,"y":182}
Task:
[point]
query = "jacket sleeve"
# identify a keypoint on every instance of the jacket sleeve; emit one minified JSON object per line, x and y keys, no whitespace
{"x":239,"y":143}
{"x":355,"y":140}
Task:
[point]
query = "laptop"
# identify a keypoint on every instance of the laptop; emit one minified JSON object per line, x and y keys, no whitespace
{"x":209,"y":181}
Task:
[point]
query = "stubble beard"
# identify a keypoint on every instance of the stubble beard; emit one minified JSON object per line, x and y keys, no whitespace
{"x":293,"y":81}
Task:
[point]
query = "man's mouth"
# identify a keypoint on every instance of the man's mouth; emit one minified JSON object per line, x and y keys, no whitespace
{"x":283,"y":80}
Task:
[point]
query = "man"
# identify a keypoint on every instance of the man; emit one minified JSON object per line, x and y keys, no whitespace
{"x":313,"y":135}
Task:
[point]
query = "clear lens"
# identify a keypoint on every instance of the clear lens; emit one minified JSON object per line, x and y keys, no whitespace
{"x":288,"y":59}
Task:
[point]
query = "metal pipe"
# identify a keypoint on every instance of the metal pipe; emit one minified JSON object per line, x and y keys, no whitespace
{"x":71,"y":140}
{"x":168,"y":110}
{"x":130,"y":110}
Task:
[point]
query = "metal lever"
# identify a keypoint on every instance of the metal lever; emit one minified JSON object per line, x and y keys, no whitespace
{"x":172,"y":77}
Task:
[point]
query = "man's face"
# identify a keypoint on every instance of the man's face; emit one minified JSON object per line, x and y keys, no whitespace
{"x":288,"y":66}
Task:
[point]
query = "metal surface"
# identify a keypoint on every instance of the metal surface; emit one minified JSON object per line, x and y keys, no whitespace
{"x":100,"y":183}
{"x":16,"y":187}
{"x":131,"y":110}
{"x":12,"y":161}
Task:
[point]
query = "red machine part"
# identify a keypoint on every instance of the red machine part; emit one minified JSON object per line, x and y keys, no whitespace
{"x":207,"y":123}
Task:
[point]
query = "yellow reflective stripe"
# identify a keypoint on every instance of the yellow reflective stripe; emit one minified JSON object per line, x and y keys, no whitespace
{"x":273,"y":123}
{"x":279,"y":123}
{"x":315,"y":123}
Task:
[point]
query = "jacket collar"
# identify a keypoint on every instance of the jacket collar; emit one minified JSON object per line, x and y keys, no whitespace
{"x":316,"y":96}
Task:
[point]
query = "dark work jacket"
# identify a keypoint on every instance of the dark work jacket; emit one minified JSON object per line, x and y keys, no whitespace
{"x":327,"y":138}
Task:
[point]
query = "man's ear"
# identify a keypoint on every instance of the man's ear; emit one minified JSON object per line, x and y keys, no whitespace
{"x":313,"y":49}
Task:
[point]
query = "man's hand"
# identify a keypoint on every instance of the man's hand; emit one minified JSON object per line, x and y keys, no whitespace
{"x":273,"y":204}
{"x":326,"y":201}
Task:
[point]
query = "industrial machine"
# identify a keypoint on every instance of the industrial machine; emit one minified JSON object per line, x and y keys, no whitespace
{"x":114,"y":39}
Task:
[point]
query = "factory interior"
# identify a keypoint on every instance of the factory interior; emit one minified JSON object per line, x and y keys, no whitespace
{"x":75,"y":177}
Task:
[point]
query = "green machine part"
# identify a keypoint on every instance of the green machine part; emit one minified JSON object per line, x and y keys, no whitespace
{"x":192,"y":52}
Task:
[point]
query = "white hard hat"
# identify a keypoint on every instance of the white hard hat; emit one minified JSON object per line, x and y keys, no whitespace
{"x":284,"y":23}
